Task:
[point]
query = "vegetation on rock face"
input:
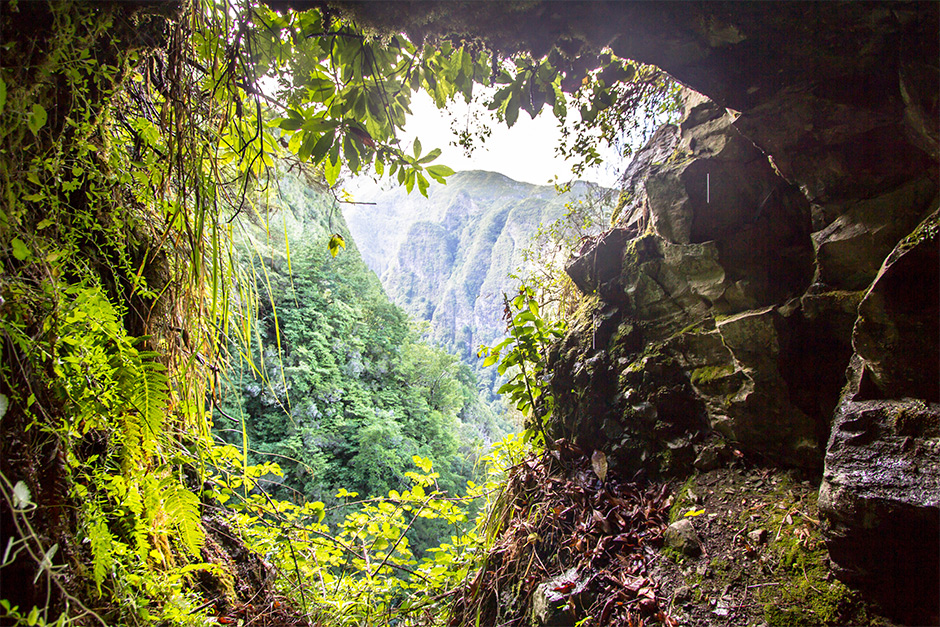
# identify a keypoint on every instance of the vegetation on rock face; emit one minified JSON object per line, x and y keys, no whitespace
{"x":449,"y":258}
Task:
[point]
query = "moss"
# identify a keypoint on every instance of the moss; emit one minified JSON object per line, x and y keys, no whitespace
{"x":795,"y":587}
{"x":697,"y":327}
{"x":815,"y":602}
{"x":806,"y":594}
{"x":915,"y":422}
{"x":622,"y":201}
{"x":652,"y":350}
{"x":666,"y":456}
{"x":720,"y":567}
{"x":710,"y":373}
{"x":674,"y":555}
{"x":621,"y":335}
{"x":789,"y":617}
{"x":682,"y":499}
{"x":641,"y":249}
{"x":926,"y":230}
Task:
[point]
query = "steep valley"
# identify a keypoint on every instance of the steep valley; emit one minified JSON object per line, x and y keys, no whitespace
{"x":447,"y":258}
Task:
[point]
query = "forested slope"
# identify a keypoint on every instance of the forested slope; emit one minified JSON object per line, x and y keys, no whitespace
{"x":340,"y":390}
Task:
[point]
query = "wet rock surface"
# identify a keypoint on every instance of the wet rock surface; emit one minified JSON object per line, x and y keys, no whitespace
{"x":879,"y":495}
{"x":746,"y":271}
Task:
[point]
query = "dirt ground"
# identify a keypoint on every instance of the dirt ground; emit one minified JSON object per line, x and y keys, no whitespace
{"x":578,"y":548}
{"x":763,"y":562}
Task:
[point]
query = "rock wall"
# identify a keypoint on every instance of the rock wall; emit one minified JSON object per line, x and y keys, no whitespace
{"x":699,"y":285}
{"x":759,"y":258}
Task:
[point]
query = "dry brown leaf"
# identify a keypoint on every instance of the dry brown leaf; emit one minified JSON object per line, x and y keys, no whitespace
{"x":599,"y":463}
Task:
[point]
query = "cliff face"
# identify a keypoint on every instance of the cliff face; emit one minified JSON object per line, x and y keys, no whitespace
{"x":447,"y":258}
{"x":773,"y":283}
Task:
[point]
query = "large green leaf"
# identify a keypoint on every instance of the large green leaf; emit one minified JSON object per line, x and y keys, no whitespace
{"x":37,"y":119}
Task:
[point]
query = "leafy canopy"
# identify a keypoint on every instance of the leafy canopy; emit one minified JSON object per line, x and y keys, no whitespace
{"x":341,"y":94}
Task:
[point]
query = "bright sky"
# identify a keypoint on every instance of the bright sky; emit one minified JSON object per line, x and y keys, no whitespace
{"x":525,"y":152}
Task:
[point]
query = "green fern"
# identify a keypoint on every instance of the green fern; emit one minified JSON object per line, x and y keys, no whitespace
{"x":182,"y":508}
{"x":102,"y":550}
{"x":147,"y":399}
{"x":150,"y":398}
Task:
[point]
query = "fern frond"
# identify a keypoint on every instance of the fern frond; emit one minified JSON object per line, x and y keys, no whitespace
{"x":102,"y":550}
{"x":148,"y":394}
{"x":182,"y":507}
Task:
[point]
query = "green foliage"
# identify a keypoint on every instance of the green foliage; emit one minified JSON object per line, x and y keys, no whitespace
{"x":134,"y":138}
{"x":523,"y":357}
{"x":533,"y":84}
{"x":363,"y":570}
{"x":349,"y":392}
{"x":553,"y":244}
{"x":621,"y":104}
{"x":345,"y":94}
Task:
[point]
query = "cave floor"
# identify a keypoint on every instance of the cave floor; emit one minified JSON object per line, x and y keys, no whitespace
{"x":763,"y":562}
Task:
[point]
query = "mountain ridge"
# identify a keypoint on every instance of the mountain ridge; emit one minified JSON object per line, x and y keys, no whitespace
{"x":447,"y":258}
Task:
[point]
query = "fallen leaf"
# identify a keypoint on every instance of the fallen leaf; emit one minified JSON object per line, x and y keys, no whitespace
{"x":599,"y":463}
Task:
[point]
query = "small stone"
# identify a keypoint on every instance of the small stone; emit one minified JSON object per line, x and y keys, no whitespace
{"x":709,"y":458}
{"x":702,"y":570}
{"x":683,"y":593}
{"x":681,"y":536}
{"x":548,"y":602}
{"x":758,"y":536}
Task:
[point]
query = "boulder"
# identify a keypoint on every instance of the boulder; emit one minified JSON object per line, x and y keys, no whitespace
{"x":881,"y":482}
{"x":759,"y":414}
{"x":881,"y":498}
{"x":711,"y":456}
{"x":897,"y":334}
{"x":551,"y":599}
{"x":851,"y":248}
{"x":681,"y":536}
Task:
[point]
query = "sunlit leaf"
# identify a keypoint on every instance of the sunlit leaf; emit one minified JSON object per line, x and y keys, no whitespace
{"x":22,"y":498}
{"x":336,"y":242}
{"x":331,"y":168}
{"x":438,"y":172}
{"x":20,"y":249}
{"x":431,"y":156}
{"x":37,"y":119}
{"x":323,"y":145}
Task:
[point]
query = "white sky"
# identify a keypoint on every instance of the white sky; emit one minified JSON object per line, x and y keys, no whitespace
{"x":525,"y":152}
